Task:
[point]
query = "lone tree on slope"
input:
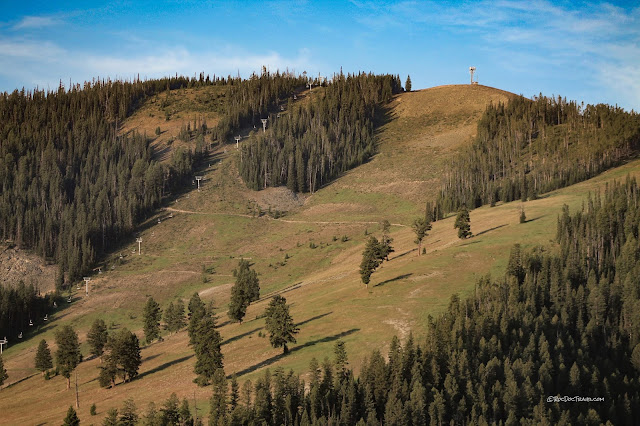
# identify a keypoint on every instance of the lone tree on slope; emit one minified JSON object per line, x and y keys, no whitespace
{"x":43,"y":357}
{"x":372,"y":256}
{"x":279,"y":323}
{"x":244,"y":291}
{"x":68,"y":355}
{"x":151,"y":317}
{"x":407,"y":84}
{"x":420,"y":226}
{"x":463,"y":224}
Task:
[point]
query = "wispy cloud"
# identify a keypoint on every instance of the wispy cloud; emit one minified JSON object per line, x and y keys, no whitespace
{"x":36,"y":22}
{"x":46,"y":63}
{"x":601,"y":41}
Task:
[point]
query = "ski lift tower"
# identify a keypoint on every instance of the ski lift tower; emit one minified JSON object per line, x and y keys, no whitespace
{"x":86,"y":285}
{"x":139,"y":241}
{"x":264,"y":125}
{"x":471,"y":71}
{"x":198,"y":179}
{"x":2,"y":343}
{"x":237,"y":138}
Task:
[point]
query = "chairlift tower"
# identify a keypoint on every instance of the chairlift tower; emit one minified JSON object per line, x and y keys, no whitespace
{"x":2,"y":343}
{"x":198,"y":179}
{"x":264,"y":125}
{"x":86,"y":285}
{"x":471,"y":71}
{"x":139,"y":241}
{"x":237,"y":138}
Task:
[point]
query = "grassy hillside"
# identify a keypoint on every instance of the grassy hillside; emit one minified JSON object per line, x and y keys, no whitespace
{"x":215,"y":226}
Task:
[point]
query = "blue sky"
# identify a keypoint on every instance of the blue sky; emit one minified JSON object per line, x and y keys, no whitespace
{"x":585,"y":51}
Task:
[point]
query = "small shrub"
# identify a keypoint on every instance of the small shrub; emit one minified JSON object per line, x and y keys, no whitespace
{"x":344,"y":239}
{"x":158,"y":131}
{"x":312,"y":245}
{"x":92,"y":410}
{"x":334,"y":238}
{"x":424,"y":250}
{"x":523,"y":217}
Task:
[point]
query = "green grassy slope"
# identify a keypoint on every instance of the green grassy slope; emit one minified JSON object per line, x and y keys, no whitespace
{"x":213,"y":227}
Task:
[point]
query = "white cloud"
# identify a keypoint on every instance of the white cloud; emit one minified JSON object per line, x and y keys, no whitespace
{"x":46,"y":64}
{"x":35,"y":22}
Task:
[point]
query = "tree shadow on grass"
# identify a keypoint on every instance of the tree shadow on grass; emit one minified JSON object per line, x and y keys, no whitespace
{"x":164,"y":366}
{"x":398,"y":278}
{"x":240,"y":336}
{"x":405,"y":253}
{"x":313,"y":318}
{"x":276,"y":358}
{"x":491,"y":229}
{"x":532,"y":219}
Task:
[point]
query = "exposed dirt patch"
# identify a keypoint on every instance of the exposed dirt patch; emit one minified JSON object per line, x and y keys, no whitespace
{"x":19,"y":265}
{"x":280,"y":198}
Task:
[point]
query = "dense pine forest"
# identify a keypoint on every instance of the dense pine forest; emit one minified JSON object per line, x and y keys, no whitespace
{"x":70,"y":186}
{"x":526,"y":148}
{"x":315,"y":142}
{"x":254,"y":98}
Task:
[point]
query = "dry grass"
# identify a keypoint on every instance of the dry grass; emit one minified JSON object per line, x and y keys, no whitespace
{"x":322,"y":284}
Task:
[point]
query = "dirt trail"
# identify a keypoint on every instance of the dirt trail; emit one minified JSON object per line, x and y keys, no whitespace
{"x":314,"y":222}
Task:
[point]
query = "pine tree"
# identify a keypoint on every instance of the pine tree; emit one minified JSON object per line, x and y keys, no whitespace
{"x":170,"y":414}
{"x":407,"y":84}
{"x":197,"y":311}
{"x":128,"y":414}
{"x":151,"y":416}
{"x":68,"y":355}
{"x":3,"y":372}
{"x":420,"y":227}
{"x":218,"y":402}
{"x":112,"y":418}
{"x":97,"y":337}
{"x":151,"y":317}
{"x":386,"y":240}
{"x":279,"y":323}
{"x":178,"y":317}
{"x":234,"y":397}
{"x":43,"y":361}
{"x":72,"y":418}
{"x":238,"y":304}
{"x":372,"y":256}
{"x":123,"y":356}
{"x":207,"y":349}
{"x":169,"y":316}
{"x":462,"y":224}
{"x":245,"y":290}
{"x":185,"y":413}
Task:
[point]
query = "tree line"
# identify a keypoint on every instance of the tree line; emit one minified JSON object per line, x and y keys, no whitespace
{"x":528,"y":147}
{"x":316,"y":141}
